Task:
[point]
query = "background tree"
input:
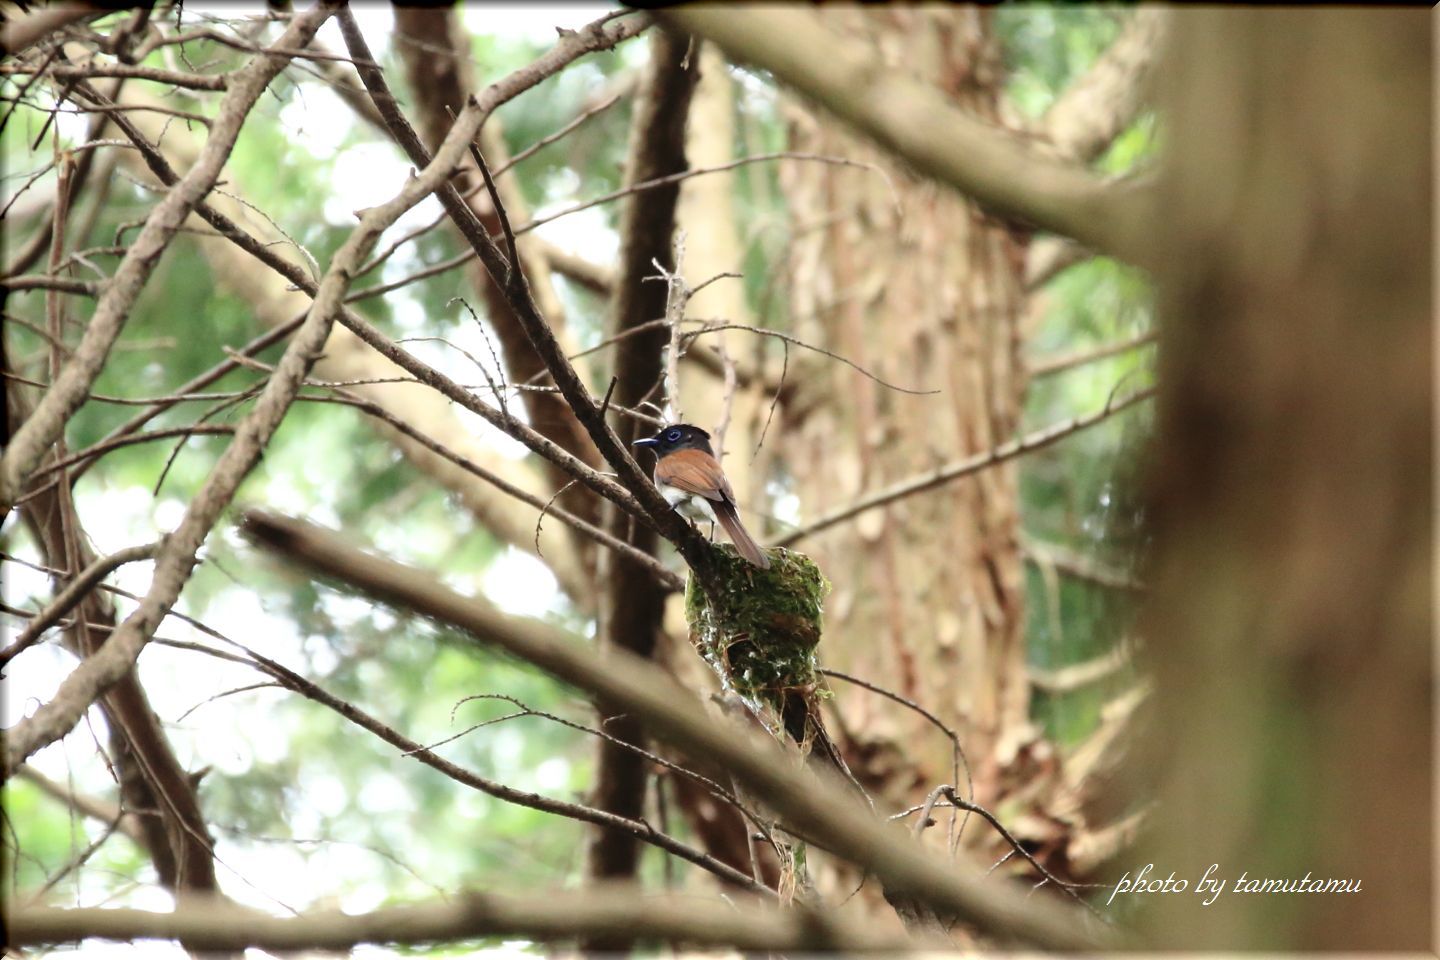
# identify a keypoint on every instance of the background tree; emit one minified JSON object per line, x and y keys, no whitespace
{"x":939,"y":395}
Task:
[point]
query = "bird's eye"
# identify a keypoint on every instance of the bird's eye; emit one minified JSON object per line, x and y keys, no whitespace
{"x":673,"y":435}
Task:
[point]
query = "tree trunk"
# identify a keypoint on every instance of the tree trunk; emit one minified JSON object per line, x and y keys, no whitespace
{"x":915,"y":284}
{"x":1292,"y":491}
{"x":632,"y":604}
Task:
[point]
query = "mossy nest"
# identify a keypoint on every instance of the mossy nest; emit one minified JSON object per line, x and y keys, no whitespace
{"x":760,"y":630}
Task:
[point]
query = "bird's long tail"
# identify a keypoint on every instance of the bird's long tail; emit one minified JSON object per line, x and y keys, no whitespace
{"x":730,"y":520}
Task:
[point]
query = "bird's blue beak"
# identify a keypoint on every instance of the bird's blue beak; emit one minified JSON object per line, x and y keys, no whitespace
{"x":646,"y":442}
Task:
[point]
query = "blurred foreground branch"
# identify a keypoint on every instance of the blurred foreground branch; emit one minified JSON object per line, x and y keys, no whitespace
{"x":22,"y":32}
{"x":1087,"y":117}
{"x":921,"y":126}
{"x":546,"y":917}
{"x":818,"y":809}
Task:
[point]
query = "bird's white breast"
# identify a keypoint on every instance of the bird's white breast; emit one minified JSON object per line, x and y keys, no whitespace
{"x":687,"y":504}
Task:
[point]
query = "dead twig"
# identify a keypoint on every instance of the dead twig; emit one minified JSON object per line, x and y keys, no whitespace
{"x":958,"y":757}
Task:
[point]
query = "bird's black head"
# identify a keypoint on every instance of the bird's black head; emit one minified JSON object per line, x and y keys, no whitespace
{"x":677,"y":436}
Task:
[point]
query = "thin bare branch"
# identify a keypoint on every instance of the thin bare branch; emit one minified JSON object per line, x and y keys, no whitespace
{"x":674,"y":178}
{"x":964,"y":467}
{"x":528,"y":152}
{"x":729,"y":383}
{"x":598,"y":279}
{"x":91,"y":71}
{"x":309,"y":53}
{"x":946,"y":791}
{"x":80,"y":110}
{"x":958,"y":756}
{"x":659,"y":571}
{"x":1077,"y":675}
{"x":1075,"y":564}
{"x":524,"y":710}
{"x":44,"y":282}
{"x":36,"y":897}
{"x":715,"y":327}
{"x":184,"y":391}
{"x":93,"y":807}
{"x":73,"y":593}
{"x":1059,"y":363}
{"x":97,"y":450}
{"x":990,"y":818}
{"x":653,"y":184}
{"x":1048,"y":257}
{"x":575,"y":811}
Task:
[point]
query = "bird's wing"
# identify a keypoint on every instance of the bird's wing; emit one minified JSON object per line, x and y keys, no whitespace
{"x":694,"y":471}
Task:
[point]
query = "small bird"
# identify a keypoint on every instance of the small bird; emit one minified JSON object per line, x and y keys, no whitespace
{"x":690,"y":479}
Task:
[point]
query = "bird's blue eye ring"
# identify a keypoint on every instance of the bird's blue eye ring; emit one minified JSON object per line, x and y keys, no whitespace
{"x":673,"y":435}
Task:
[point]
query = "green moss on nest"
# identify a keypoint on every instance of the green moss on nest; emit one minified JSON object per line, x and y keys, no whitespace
{"x":760,"y":631}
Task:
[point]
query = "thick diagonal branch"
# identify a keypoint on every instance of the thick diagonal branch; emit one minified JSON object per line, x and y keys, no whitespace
{"x":71,"y":387}
{"x":500,"y":622}
{"x":1097,"y":107}
{"x":178,"y":556}
{"x":919,"y":124}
